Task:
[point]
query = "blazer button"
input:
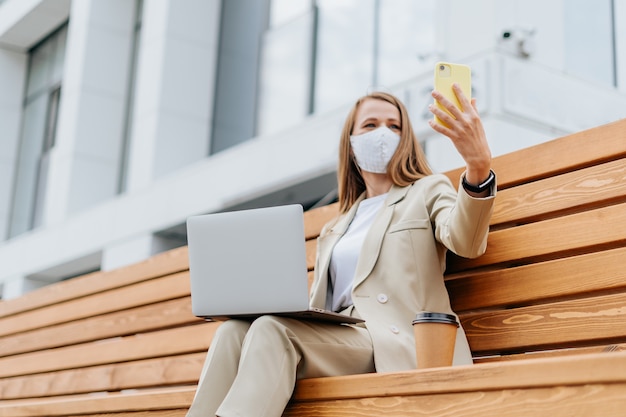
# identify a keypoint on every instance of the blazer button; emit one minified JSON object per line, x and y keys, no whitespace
{"x":394,"y":329}
{"x":382,"y":298}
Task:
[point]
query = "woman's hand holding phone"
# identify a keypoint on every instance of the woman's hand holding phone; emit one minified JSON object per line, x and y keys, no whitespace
{"x":464,"y":128}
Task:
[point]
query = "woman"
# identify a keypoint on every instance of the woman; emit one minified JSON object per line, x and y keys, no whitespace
{"x":382,"y":260}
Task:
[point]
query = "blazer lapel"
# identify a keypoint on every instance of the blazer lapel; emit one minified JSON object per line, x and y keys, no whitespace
{"x":326,"y":246}
{"x":374,"y":238}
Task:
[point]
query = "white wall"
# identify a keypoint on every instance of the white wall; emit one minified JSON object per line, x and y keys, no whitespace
{"x":23,"y":23}
{"x":85,"y":159}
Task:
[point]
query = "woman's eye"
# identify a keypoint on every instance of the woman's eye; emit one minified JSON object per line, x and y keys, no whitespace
{"x":395,"y":127}
{"x":370,"y":125}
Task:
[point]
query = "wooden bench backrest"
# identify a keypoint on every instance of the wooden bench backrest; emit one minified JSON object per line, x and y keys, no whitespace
{"x":125,"y":329}
{"x":553,"y":276}
{"x":551,"y":279}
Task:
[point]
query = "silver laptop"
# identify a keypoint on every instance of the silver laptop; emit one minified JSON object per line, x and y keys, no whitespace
{"x":248,"y":263}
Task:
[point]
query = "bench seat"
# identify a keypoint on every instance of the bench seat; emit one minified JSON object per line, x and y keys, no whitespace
{"x":581,"y":384}
{"x":543,"y":310}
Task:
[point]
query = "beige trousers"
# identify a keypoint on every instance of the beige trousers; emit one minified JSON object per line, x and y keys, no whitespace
{"x":251,"y":368}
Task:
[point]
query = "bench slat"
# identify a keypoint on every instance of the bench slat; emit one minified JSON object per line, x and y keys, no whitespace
{"x":577,"y":322}
{"x":620,"y":347}
{"x":314,"y":220}
{"x":577,"y":189}
{"x":174,"y":370}
{"x":557,"y":156}
{"x":564,"y":277}
{"x":532,"y":378}
{"x":165,"y":263}
{"x":586,"y":400}
{"x":175,"y":398}
{"x":554,"y":237}
{"x":602,"y":368}
{"x":175,"y":341}
{"x":146,"y":292}
{"x":151,"y":413}
{"x":142,"y":319}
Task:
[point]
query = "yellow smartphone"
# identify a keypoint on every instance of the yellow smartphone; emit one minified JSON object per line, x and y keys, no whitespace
{"x":446,"y":74}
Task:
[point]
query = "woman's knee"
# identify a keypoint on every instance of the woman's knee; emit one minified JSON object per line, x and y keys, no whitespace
{"x":271,"y":329}
{"x":270,"y":323}
{"x":232,"y":332}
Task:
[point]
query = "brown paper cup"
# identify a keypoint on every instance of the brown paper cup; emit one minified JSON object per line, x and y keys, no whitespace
{"x":435,"y":337}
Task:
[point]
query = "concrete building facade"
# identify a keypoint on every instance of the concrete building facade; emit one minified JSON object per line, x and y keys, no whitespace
{"x":121,"y":118}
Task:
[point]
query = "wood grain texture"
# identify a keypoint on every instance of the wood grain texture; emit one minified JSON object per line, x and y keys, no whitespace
{"x":315,"y":219}
{"x":582,"y":321}
{"x":619,"y":347}
{"x":166,"y":263}
{"x":142,"y":319}
{"x":567,"y":192}
{"x":518,"y":286}
{"x":173,"y":370}
{"x":587,"y":400}
{"x":568,"y":153}
{"x":152,"y":413}
{"x":596,"y":381}
{"x":162,"y":399}
{"x":554,"y":237}
{"x":177,"y":341}
{"x":601,"y":368}
{"x":142,"y":293}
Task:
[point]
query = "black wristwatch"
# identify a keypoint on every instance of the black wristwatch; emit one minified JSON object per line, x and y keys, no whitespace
{"x":483,"y":186}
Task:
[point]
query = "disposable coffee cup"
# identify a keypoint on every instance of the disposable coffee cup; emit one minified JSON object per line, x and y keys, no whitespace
{"x":435,"y":337}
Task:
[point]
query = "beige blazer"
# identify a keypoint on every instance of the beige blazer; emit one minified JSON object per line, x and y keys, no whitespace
{"x":401,"y":265}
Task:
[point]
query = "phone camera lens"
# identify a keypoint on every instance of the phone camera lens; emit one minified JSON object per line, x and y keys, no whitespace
{"x":442,"y":67}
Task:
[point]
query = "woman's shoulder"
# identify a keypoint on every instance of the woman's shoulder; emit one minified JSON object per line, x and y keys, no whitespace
{"x":433,"y":181}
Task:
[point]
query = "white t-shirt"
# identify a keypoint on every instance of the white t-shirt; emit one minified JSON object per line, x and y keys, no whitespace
{"x":346,"y":252}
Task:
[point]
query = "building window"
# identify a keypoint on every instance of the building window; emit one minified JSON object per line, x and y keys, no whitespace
{"x":130,"y":99}
{"x":286,"y":68}
{"x":319,"y":55}
{"x":345,"y":52}
{"x":39,"y":121}
{"x":405,"y":40}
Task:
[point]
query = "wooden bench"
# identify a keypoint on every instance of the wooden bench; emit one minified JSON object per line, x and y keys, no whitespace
{"x":544,"y":310}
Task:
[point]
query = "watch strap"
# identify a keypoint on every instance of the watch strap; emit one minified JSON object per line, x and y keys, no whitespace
{"x":483,"y":186}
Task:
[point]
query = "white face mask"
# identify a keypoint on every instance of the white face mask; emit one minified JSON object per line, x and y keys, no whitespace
{"x":373,"y":150}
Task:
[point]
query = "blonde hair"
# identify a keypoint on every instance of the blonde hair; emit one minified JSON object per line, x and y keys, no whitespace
{"x":407,"y":165}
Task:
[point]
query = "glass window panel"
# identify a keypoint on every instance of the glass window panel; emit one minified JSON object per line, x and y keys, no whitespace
{"x":406,"y":33}
{"x":51,"y":120}
{"x":59,"y":56}
{"x":41,"y":59}
{"x":40,"y":189}
{"x":285,"y":75}
{"x":34,"y":125}
{"x":283,"y":11}
{"x":43,"y":92}
{"x":589,"y":40}
{"x":345,"y":61}
{"x":122,"y":184}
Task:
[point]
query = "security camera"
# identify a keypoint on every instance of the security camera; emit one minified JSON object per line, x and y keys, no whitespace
{"x":519,"y":41}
